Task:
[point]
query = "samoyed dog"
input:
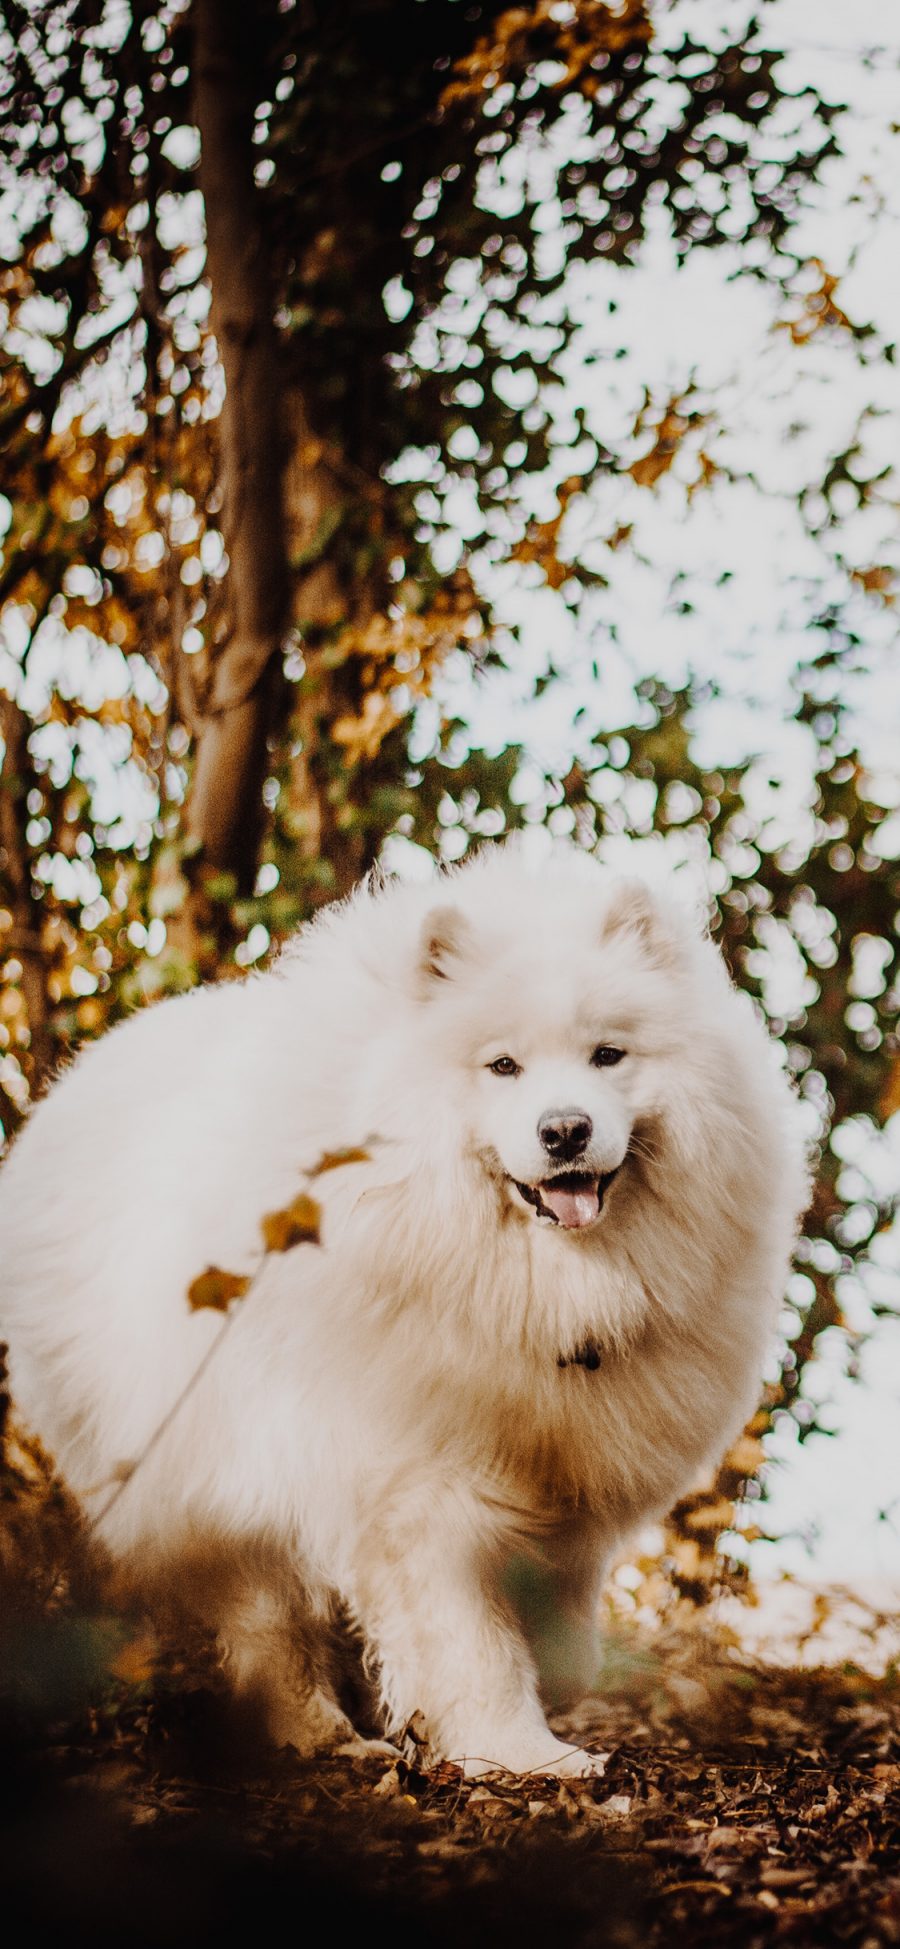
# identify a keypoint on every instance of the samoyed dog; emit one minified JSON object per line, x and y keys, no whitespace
{"x":539,"y":1305}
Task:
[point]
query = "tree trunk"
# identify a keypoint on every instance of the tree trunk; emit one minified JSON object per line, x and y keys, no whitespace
{"x":224,"y":814}
{"x":331,"y":592}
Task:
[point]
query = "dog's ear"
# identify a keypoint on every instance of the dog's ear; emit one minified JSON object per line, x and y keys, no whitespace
{"x":634,"y":911}
{"x":445,"y":942}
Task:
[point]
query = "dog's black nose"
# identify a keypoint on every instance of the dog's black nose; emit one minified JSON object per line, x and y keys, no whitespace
{"x":565,"y":1134}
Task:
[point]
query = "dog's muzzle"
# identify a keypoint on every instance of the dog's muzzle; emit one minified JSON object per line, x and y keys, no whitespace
{"x":570,"y":1199}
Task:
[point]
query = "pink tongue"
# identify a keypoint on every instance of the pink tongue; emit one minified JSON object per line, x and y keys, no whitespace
{"x":571,"y":1208}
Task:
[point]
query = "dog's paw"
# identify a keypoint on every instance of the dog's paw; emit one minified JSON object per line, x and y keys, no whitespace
{"x":358,"y":1748}
{"x":551,"y":1757}
{"x":316,"y":1725}
{"x":573,"y":1763}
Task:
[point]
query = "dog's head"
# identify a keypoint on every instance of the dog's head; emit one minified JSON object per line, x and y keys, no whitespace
{"x":560,"y":1006}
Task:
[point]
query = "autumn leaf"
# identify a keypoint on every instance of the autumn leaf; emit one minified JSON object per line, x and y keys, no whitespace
{"x":296,"y":1224}
{"x":216,"y":1289}
{"x":816,"y":308}
{"x":712,"y":1516}
{"x":709,"y":471}
{"x":334,"y":1160}
{"x":575,"y":35}
{"x":878,"y":581}
{"x":746,"y":1454}
{"x":889,"y":1102}
{"x":363,"y":736}
{"x":651,"y":466}
{"x":539,"y":543}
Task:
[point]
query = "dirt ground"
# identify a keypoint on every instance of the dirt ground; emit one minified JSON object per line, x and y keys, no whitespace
{"x":740,"y":1805}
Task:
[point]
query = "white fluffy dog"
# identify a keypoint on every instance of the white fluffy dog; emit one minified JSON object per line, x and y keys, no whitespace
{"x":538,"y":1307}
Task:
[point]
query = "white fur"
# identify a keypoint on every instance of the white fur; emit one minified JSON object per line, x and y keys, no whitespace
{"x":386,"y":1422}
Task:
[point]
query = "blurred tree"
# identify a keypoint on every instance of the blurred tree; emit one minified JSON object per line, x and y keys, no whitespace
{"x":252,"y":577}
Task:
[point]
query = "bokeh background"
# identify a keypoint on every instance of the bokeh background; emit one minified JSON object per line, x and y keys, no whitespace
{"x":422,"y":421}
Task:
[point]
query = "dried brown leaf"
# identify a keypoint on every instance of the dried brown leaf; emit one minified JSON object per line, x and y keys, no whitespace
{"x":216,"y":1289}
{"x":334,"y":1160}
{"x":296,"y":1224}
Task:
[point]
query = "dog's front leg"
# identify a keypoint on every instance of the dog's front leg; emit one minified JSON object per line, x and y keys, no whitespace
{"x":449,"y":1645}
{"x":556,"y":1593}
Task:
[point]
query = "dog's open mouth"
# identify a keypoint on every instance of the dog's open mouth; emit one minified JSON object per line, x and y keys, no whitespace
{"x":572,"y":1199}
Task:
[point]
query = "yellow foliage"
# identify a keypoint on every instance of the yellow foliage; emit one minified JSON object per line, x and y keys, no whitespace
{"x":669,"y":424}
{"x":398,"y":654}
{"x":746,"y":1454}
{"x":709,"y":469}
{"x":571,"y":35}
{"x":540,"y":542}
{"x":890,"y":1098}
{"x":709,"y":1517}
{"x":689,"y":1555}
{"x":877,"y":581}
{"x":11,"y":1004}
{"x":816,"y":308}
{"x":90,"y":1015}
{"x":363,"y":736}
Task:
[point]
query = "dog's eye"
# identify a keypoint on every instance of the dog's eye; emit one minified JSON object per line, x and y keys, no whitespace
{"x":505,"y":1066}
{"x":604,"y":1057}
